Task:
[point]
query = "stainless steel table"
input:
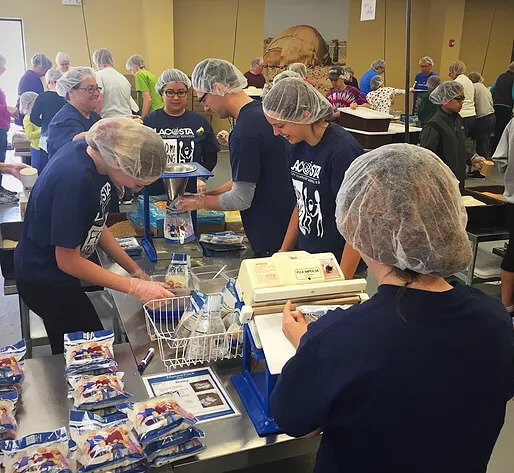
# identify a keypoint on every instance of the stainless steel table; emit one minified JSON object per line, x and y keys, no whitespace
{"x":231,"y":443}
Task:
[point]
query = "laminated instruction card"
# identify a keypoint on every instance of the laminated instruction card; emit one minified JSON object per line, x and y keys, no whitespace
{"x":198,"y":391}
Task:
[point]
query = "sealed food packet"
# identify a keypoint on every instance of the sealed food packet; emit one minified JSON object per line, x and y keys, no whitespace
{"x":104,"y":443}
{"x":8,"y":423}
{"x":189,"y":319}
{"x":10,"y":363}
{"x":97,"y":392}
{"x":222,"y":238}
{"x":177,"y":275}
{"x":314,"y":312}
{"x":178,"y":226}
{"x":89,"y":351}
{"x":177,"y":438}
{"x":176,"y":452}
{"x":44,"y":452}
{"x":157,"y":418}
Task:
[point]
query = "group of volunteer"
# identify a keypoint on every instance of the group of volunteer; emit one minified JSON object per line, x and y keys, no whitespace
{"x":398,"y":383}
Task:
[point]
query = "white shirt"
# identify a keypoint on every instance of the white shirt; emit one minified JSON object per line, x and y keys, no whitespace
{"x":381,"y":99}
{"x":116,"y":99}
{"x":504,"y":157}
{"x":483,"y":100}
{"x":468,"y":106}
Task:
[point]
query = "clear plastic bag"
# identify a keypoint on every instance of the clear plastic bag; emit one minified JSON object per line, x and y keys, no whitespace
{"x":178,"y":226}
{"x":97,"y":392}
{"x":88,"y":351}
{"x":11,"y":371}
{"x":8,"y":423}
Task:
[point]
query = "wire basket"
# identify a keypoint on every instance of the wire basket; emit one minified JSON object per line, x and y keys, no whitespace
{"x":162,"y":319}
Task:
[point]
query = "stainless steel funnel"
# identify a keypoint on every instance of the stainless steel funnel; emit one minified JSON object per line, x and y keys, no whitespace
{"x":176,"y":186}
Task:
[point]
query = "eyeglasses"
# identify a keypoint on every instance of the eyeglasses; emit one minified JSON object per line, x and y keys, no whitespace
{"x":460,"y":98}
{"x":202,"y":98}
{"x":91,"y":90}
{"x":172,"y":93}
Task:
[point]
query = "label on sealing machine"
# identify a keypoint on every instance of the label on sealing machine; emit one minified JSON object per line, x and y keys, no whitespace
{"x":308,"y":274}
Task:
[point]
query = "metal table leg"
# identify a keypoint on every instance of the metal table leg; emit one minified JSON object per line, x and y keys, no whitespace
{"x":474,"y":249}
{"x":25,"y":325}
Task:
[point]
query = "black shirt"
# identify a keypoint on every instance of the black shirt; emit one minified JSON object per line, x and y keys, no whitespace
{"x":44,"y":109}
{"x":409,"y":382}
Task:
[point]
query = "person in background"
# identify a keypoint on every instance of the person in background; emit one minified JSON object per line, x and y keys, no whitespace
{"x":260,"y":187}
{"x":65,"y":222}
{"x":44,"y":109}
{"x":32,"y":132}
{"x":6,"y":113}
{"x":114,"y":99}
{"x":468,"y":112}
{"x":281,"y":75}
{"x":301,"y":69}
{"x":427,"y":109}
{"x":78,"y":115}
{"x":254,"y":76}
{"x":352,"y":80}
{"x":486,"y":119}
{"x":503,"y":100}
{"x":63,"y":62}
{"x":31,"y":80}
{"x":188,"y":137}
{"x":148,"y":98}
{"x":504,"y":157}
{"x":445,"y":134}
{"x":399,"y":374}
{"x":426,"y":63}
{"x":318,"y":158}
{"x":381,"y":98}
{"x":343,"y":95}
{"x":378,"y":67}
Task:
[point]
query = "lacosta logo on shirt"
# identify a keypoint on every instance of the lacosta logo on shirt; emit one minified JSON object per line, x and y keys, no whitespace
{"x":183,"y":132}
{"x":307,"y":169}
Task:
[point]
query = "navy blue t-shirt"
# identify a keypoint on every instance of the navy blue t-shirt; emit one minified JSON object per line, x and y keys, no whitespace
{"x":410,"y":381}
{"x":45,"y":108}
{"x":183,"y":142}
{"x":258,"y":156}
{"x":317,"y":173}
{"x":67,"y":123}
{"x":68,"y":208}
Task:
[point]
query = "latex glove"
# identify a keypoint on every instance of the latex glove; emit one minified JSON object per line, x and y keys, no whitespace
{"x":189,"y":202}
{"x":353,"y":105}
{"x":147,"y":291}
{"x":477,"y":162}
{"x":13,"y":111}
{"x":201,"y":186}
{"x":140,"y":274}
{"x":222,"y":137}
{"x":294,"y":325}
{"x":15,"y":168}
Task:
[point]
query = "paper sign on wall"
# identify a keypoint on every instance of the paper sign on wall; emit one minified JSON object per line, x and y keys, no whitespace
{"x":368,"y":10}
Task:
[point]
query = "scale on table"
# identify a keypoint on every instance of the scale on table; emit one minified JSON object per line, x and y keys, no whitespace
{"x":264,"y":285}
{"x":176,"y":177}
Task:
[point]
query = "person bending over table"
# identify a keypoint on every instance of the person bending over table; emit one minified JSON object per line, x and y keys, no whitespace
{"x":65,"y":221}
{"x":417,"y":378}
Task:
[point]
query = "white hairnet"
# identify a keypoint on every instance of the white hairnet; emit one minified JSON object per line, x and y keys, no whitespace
{"x":293,"y":100}
{"x":135,"y":149}
{"x":102,"y":57}
{"x":400,"y":205}
{"x":52,"y":75}
{"x":72,"y":78}
{"x":378,"y":63}
{"x":285,"y":75}
{"x":40,"y":60}
{"x":299,"y":68}
{"x":27,"y":99}
{"x":376,"y":82}
{"x":426,"y":60}
{"x":62,"y":56}
{"x":135,"y":60}
{"x":3,"y":61}
{"x":475,"y":77}
{"x":217,"y":77}
{"x":350,"y":69}
{"x":433,"y":82}
{"x":171,"y":75}
{"x":458,"y":68}
{"x":446,"y":91}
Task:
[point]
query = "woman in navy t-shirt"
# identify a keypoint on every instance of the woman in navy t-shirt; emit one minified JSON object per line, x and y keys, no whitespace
{"x":417,"y":378}
{"x":65,"y":221}
{"x":318,"y":159}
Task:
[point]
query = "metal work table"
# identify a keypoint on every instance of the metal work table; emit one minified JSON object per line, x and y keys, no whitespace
{"x":231,"y":443}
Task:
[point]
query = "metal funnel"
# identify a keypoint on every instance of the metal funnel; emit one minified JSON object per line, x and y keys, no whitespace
{"x":176,"y":186}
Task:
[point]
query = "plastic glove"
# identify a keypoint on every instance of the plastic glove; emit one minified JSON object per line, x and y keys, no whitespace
{"x":477,"y":162}
{"x":201,"y":186}
{"x":147,"y":291}
{"x":15,"y":168}
{"x":222,"y":137}
{"x":189,"y":202}
{"x":140,"y":274}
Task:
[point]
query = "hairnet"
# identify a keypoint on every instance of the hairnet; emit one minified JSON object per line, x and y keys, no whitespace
{"x":433,"y":82}
{"x":376,"y":82}
{"x":27,"y":99}
{"x":350,"y":69}
{"x":61,"y":56}
{"x":135,"y":61}
{"x":293,"y":100}
{"x":257,"y":61}
{"x":400,"y":205}
{"x":52,"y":75}
{"x":426,"y":60}
{"x":475,"y":77}
{"x":378,"y":63}
{"x":299,"y":68}
{"x":458,"y":68}
{"x":284,"y":75}
{"x":72,"y":78}
{"x":3,"y":61}
{"x":135,"y":149}
{"x":446,"y":91}
{"x":171,"y":75}
{"x":102,"y":57}
{"x":217,"y":77}
{"x":40,"y":60}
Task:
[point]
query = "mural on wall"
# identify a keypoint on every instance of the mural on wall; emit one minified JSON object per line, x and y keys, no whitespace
{"x":296,"y":33}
